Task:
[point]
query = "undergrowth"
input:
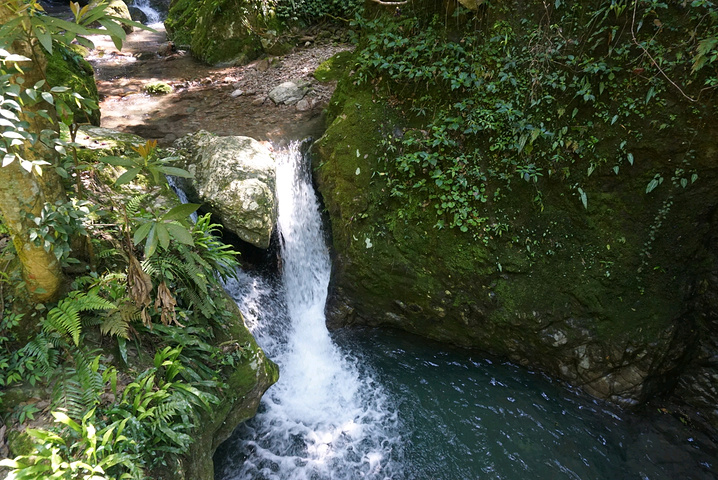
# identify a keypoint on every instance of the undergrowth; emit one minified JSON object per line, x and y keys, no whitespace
{"x":534,"y":99}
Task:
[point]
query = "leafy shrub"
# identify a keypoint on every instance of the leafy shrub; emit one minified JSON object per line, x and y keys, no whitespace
{"x":158,"y":88}
{"x":525,"y":101}
{"x":311,"y":11}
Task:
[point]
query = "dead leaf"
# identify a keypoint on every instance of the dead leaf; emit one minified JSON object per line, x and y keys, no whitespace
{"x":166,"y":302}
{"x":139,"y":282}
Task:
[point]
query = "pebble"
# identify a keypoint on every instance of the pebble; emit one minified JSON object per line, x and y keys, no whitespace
{"x":237,"y":93}
{"x":304,"y":104}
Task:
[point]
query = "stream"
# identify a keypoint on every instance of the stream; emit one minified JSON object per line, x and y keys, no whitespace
{"x":386,"y":405}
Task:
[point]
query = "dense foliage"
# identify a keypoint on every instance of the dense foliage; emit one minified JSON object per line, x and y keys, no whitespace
{"x":145,"y":278}
{"x":311,"y":11}
{"x":516,"y":97}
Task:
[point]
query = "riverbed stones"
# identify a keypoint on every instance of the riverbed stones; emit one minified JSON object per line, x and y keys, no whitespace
{"x":289,"y":93}
{"x":234,"y":179}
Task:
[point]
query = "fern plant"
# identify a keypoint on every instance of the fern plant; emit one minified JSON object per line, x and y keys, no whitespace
{"x":159,"y":410}
{"x":64,"y":319}
{"x":79,"y":383}
{"x":193,"y":271}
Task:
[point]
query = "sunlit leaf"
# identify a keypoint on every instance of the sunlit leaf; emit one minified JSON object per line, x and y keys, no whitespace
{"x":141,"y":232}
{"x":181,"y":212}
{"x":128,"y":176}
{"x":177,"y":172}
{"x":180,"y":233}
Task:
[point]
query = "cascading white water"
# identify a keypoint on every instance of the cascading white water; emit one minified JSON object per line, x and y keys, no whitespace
{"x":153,"y":16}
{"x":323,"y":419}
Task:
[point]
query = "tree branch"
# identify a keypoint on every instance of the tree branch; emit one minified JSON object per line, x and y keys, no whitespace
{"x":389,"y":4}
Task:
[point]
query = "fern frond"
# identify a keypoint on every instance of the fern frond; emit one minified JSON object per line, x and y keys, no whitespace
{"x":64,"y":319}
{"x":106,"y":253}
{"x":89,"y":377}
{"x":89,"y":301}
{"x":67,"y":393}
{"x":134,"y":206}
{"x":42,"y":350}
{"x":116,"y":325}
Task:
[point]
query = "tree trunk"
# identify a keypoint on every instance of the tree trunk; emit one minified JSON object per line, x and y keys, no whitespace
{"x":22,"y":192}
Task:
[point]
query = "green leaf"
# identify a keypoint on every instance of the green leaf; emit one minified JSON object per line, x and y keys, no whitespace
{"x":128,"y":176}
{"x":59,"y":89}
{"x":68,"y":26}
{"x":125,"y":21}
{"x":630,"y":158}
{"x":117,"y":161}
{"x":163,"y":236}
{"x":47,"y":96}
{"x":61,"y":417}
{"x":44,"y":38}
{"x":115,"y":31}
{"x":174,"y":171}
{"x":181,"y":212}
{"x":584,"y":198}
{"x":142,"y":232}
{"x":151,"y":243}
{"x":651,"y":185}
{"x":180,"y":233}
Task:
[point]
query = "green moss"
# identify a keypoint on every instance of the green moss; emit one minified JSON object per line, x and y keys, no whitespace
{"x":334,"y":67}
{"x":20,"y":443}
{"x":545,"y":282}
{"x":220,"y":32}
{"x":157,"y":88}
{"x":68,"y":68}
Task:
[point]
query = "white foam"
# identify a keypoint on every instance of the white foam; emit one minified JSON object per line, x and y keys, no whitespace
{"x":323,"y":419}
{"x":153,"y":16}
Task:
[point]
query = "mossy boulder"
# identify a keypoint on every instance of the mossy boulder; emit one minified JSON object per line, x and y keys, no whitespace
{"x":245,"y":386}
{"x":334,"y":67}
{"x":68,"y":68}
{"x":602,"y":296}
{"x":223,"y":32}
{"x":234,"y":177}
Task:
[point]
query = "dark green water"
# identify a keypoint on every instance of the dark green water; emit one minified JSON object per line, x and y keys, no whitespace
{"x":466,"y":417}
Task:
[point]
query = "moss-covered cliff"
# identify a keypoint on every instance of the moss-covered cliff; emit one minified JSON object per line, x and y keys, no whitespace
{"x":488,"y":188}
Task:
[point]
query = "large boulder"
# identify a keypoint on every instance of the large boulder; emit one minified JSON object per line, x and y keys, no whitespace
{"x":235,"y":178}
{"x":223,"y":32}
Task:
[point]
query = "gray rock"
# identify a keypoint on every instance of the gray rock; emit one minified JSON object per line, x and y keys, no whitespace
{"x":235,"y":178}
{"x":304,"y":105}
{"x":237,"y":93}
{"x":287,"y":93}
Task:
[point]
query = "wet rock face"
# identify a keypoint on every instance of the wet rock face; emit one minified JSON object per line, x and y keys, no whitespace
{"x":235,"y":178}
{"x":594,"y":297}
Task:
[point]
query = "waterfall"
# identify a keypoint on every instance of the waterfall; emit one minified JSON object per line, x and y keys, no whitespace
{"x":174,"y":184}
{"x":326,"y":417}
{"x":153,"y":16}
